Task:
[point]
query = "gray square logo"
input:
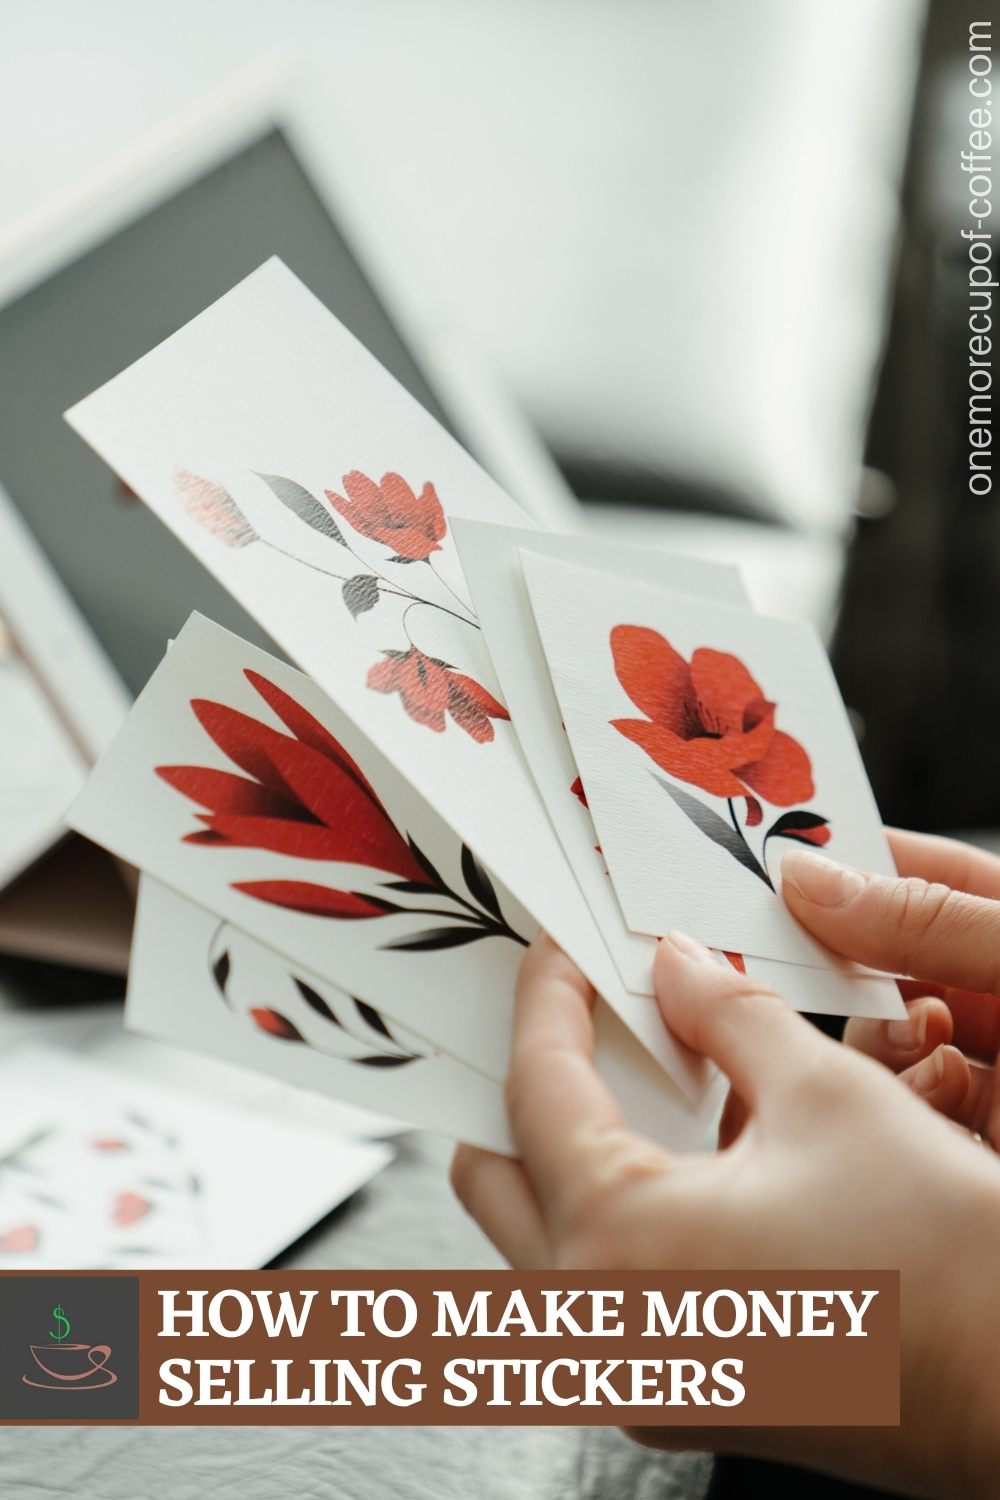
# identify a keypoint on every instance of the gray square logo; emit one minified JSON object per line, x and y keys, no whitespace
{"x":69,"y":1348}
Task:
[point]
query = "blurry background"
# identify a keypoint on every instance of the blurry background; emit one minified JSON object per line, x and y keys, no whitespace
{"x":710,"y":250}
{"x":681,"y":234}
{"x":670,"y":226}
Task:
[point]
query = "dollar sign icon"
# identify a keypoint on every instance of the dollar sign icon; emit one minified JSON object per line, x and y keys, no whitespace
{"x":57,"y":1335}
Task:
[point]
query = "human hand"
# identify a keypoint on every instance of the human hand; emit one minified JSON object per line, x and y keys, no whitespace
{"x":834,"y":1167}
{"x":939,"y":922}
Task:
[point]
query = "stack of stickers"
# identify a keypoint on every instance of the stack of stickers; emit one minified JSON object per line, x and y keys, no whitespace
{"x":491,"y":729}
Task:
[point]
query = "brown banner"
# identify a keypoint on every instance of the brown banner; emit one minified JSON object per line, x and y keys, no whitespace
{"x":780,"y":1348}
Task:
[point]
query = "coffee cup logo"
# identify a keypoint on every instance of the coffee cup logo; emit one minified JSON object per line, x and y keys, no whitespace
{"x":62,"y":1366}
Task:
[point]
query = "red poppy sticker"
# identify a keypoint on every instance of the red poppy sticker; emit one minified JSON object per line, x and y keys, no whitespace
{"x":708,"y":724}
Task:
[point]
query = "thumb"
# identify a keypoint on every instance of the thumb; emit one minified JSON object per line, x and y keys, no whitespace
{"x":903,"y":926}
{"x":744,"y":1027}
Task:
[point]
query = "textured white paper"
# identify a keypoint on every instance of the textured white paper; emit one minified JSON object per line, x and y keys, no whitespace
{"x":143,"y":1176}
{"x":667,"y":871}
{"x":174,"y":997}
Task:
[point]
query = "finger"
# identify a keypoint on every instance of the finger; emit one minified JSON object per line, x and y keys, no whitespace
{"x":931,"y":858}
{"x":900,"y":925}
{"x":975,"y":1017}
{"x":953,"y":1086}
{"x":746,"y":1028}
{"x":495,"y":1192}
{"x":558,"y":1105}
{"x":916,"y":989}
{"x":732,"y":1120}
{"x":976,"y":1022}
{"x":992,"y":1128}
{"x":901,"y":1044}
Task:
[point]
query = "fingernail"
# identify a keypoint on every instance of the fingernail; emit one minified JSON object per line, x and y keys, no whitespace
{"x":821,"y":880}
{"x":690,"y":948}
{"x":909,"y":1035}
{"x":930,"y":1073}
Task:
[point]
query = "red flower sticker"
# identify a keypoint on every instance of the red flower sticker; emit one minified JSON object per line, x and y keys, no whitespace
{"x":317,"y":900}
{"x":129,"y":1208}
{"x":708,"y":724}
{"x":430,"y":689}
{"x":275,"y":1024}
{"x":20,"y":1240}
{"x":304,"y":795}
{"x":412,"y":525}
{"x":214,"y":508}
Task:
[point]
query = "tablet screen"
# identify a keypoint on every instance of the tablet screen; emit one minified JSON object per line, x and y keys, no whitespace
{"x":133,"y":582}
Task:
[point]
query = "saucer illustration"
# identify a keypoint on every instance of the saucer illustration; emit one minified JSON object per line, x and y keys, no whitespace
{"x":69,"y":1367}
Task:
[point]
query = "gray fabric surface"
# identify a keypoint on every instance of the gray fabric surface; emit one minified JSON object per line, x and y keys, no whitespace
{"x":352,"y":1464}
{"x":406,"y":1218}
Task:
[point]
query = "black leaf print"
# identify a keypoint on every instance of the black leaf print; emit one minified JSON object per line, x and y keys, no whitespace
{"x":717,"y":829}
{"x":435,"y":937}
{"x":801,"y":826}
{"x":305,"y":506}
{"x":479,"y":884}
{"x":220,"y":970}
{"x":424,"y":862}
{"x":382,"y":1060}
{"x":372,"y":1018}
{"x":315,"y":1001}
{"x":360,"y":593}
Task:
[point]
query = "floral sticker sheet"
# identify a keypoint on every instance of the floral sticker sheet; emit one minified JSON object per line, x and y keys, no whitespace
{"x":708,"y":739}
{"x":123,"y":1171}
{"x":235,"y":781}
{"x":199,"y":981}
{"x":320,"y":493}
{"x":202,"y":982}
{"x":491,"y":560}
